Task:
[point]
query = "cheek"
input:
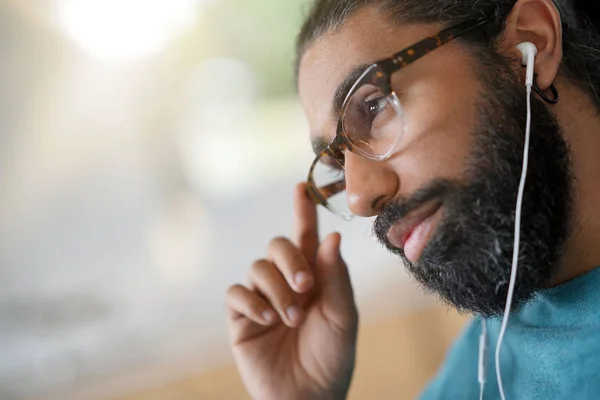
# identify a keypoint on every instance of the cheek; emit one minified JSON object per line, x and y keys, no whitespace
{"x":440,"y":120}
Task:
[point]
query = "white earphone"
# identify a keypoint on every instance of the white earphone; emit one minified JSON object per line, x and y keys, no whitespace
{"x":529,"y":52}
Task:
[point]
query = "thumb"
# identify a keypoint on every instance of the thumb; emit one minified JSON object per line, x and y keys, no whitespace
{"x":334,"y":279}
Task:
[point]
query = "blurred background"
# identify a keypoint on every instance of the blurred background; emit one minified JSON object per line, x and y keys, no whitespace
{"x":148,"y":151}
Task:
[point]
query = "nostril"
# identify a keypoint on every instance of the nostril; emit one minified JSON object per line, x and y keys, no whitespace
{"x":378,"y":203}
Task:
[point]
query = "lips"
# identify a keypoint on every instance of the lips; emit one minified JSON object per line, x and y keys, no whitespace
{"x":413,"y":232}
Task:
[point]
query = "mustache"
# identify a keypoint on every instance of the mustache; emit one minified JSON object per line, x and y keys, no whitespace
{"x":392,"y":212}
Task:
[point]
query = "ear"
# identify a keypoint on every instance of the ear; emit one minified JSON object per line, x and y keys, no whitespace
{"x":538,"y":22}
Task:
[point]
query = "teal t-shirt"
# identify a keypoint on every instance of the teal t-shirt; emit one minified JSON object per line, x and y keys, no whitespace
{"x":551,"y":350}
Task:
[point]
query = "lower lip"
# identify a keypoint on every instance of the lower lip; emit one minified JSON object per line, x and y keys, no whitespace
{"x":419,"y":237}
{"x":417,"y":240}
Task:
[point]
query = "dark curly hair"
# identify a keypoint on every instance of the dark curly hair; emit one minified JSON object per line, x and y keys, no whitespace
{"x":581,"y":41}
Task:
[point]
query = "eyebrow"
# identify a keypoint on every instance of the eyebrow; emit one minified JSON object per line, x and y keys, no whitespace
{"x":319,"y":143}
{"x":343,"y":88}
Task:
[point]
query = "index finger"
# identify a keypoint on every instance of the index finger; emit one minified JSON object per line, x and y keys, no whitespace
{"x":306,"y":235}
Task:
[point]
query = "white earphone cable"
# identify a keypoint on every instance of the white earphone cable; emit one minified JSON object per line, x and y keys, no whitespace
{"x":515,"y":260}
{"x":481,"y":371}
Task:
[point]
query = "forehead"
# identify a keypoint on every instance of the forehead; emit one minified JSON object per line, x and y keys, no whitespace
{"x":365,"y":38}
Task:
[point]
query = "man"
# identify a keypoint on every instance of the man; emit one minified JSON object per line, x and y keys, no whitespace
{"x":431,"y":140}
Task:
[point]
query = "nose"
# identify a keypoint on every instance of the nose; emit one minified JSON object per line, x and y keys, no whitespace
{"x":369,"y":184}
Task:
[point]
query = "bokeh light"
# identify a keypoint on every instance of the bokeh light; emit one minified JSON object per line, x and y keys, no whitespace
{"x":114,"y":30}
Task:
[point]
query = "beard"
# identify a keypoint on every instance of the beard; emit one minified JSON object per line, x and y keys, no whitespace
{"x":468,"y":260}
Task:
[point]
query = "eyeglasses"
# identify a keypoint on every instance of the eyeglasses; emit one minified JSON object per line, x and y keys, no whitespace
{"x":371,"y":121}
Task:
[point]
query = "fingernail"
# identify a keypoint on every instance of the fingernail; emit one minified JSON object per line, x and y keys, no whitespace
{"x":302,"y":278}
{"x":268,"y":316}
{"x":294,"y":314}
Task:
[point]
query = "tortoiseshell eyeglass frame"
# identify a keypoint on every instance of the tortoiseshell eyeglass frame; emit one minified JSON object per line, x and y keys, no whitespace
{"x":379,"y":74}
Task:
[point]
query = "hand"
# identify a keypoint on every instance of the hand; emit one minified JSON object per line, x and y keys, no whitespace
{"x":293,"y":329}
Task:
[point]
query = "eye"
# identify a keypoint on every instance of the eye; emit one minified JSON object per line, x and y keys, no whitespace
{"x":374,"y":107}
{"x":367,"y":109}
{"x":367,"y":116}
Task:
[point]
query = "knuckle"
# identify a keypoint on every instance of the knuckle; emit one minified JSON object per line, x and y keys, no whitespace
{"x":234,"y":291}
{"x":278,"y":242}
{"x":261,"y":266}
{"x":287,"y":253}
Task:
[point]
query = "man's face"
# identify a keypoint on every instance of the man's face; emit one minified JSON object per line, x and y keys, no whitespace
{"x":445,"y":199}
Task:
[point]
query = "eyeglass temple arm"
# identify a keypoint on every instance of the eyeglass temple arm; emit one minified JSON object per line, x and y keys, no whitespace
{"x":407,"y":56}
{"x":333,"y":188}
{"x":321,"y":194}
